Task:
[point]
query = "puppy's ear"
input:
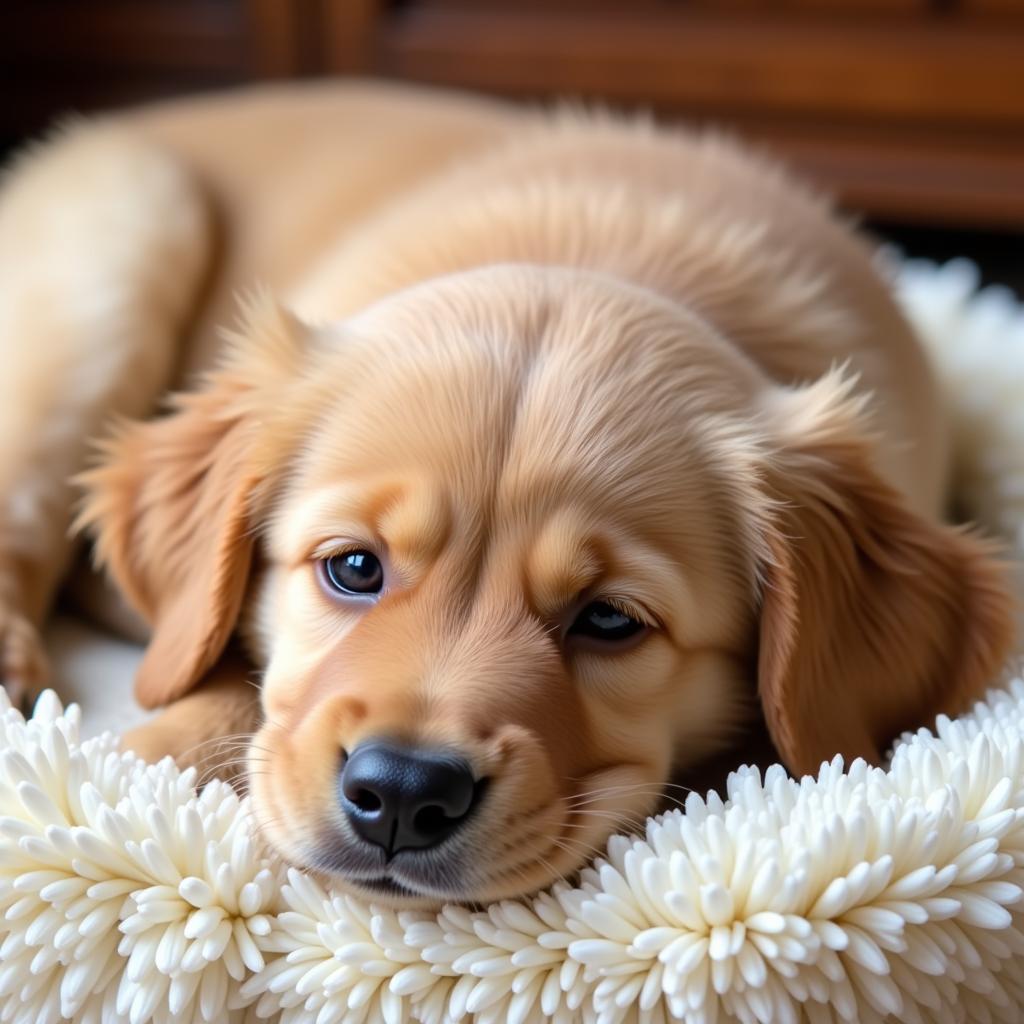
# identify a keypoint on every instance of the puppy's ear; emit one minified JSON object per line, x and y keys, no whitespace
{"x":874,"y":619}
{"x":173,"y":500}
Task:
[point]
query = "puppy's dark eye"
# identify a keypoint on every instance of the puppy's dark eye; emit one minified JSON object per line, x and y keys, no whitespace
{"x":354,"y":572}
{"x":605,"y":623}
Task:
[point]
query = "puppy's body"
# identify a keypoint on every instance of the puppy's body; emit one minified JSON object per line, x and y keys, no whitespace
{"x":338,"y":196}
{"x":593,"y":359}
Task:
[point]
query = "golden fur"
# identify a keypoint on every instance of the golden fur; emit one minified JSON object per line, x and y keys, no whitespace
{"x":529,"y":360}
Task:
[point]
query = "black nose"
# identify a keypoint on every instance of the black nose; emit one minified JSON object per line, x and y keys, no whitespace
{"x":405,"y":799}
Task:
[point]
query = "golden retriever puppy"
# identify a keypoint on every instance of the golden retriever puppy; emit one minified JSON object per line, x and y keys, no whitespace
{"x":553,"y":451}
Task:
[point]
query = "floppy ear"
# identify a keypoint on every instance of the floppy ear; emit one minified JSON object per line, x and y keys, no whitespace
{"x":172,"y":505}
{"x":874,"y":619}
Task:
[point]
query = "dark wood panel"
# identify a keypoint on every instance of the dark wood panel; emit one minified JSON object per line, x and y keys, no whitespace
{"x":349,"y":31}
{"x":910,"y":109}
{"x":279,"y":36}
{"x":934,"y":182}
{"x":58,"y":56}
{"x":1012,"y":10}
{"x":966,"y":73}
{"x":115,"y":34}
{"x":632,"y":7}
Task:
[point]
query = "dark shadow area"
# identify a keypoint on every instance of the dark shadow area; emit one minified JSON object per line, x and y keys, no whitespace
{"x":999,"y":256}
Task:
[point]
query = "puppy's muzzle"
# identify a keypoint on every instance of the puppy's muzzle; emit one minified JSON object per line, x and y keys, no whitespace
{"x":400,"y":799}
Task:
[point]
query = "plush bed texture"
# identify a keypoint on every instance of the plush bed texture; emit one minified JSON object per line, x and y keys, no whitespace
{"x":863,"y":894}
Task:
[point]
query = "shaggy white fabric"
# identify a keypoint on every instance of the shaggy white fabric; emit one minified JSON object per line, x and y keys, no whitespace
{"x":864,"y":895}
{"x":857,"y":896}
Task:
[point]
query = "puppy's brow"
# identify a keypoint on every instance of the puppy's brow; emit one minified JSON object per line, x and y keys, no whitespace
{"x":412,"y":518}
{"x":416,"y":524}
{"x":562,"y":562}
{"x":321,"y":515}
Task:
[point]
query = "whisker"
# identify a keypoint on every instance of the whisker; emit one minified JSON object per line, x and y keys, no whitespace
{"x":209,"y":741}
{"x":619,"y":825}
{"x":615,"y":819}
{"x":574,"y":848}
{"x":631,"y":787}
{"x":241,"y":770}
{"x":231,"y":762}
{"x":605,"y":812}
{"x":551,"y":869}
{"x":666,"y":785}
{"x":587,"y":799}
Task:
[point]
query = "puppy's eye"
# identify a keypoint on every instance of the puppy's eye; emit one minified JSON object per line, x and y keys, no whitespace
{"x":354,"y":572}
{"x":605,"y":623}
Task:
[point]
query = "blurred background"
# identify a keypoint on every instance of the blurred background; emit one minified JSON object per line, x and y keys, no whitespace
{"x":910,"y":111}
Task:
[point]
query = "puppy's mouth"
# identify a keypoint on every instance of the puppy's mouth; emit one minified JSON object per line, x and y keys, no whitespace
{"x":384,"y":885}
{"x":404,"y":877}
{"x":524,"y":861}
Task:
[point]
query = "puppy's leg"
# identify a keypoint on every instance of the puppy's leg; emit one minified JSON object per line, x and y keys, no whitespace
{"x":209,"y":728}
{"x":103,"y":242}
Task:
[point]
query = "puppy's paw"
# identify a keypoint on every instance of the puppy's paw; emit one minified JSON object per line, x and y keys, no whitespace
{"x":208,"y":730}
{"x":167,"y":736}
{"x":24,"y":668}
{"x":157,"y":739}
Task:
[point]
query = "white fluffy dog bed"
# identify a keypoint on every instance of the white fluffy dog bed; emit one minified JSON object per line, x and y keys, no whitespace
{"x":861,"y":895}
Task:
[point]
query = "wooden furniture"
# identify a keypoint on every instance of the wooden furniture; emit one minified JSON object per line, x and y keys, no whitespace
{"x":911,"y":109}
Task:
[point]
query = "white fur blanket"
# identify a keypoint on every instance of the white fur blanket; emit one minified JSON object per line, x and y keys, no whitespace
{"x":860,"y":895}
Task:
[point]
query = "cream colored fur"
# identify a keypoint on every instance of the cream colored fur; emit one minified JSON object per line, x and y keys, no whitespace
{"x":528,"y":358}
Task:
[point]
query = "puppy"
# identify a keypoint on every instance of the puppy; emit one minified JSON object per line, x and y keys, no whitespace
{"x":549,"y":452}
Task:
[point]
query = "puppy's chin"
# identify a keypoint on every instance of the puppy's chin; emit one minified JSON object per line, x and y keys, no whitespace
{"x":388,"y":891}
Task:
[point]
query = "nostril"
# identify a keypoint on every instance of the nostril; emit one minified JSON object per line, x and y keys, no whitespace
{"x":436,"y":820}
{"x":432,"y":820}
{"x":367,"y":801}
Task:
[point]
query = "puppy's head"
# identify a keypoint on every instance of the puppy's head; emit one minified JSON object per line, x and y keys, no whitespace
{"x":512,"y":546}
